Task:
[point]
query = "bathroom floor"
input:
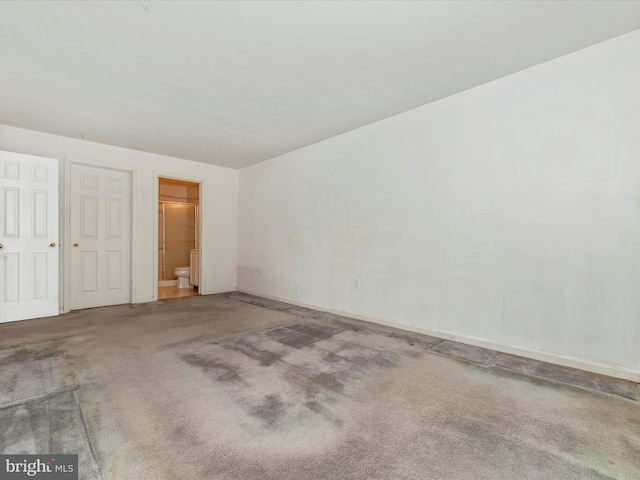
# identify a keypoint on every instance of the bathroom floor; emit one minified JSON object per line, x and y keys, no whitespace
{"x":175,"y":292}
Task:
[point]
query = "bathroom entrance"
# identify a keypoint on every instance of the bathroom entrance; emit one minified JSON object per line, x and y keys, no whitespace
{"x":178,"y":238}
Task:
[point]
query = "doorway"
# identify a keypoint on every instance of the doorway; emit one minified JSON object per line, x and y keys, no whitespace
{"x":178,"y":238}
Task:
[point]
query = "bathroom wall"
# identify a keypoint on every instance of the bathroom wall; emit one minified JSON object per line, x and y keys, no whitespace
{"x":171,"y":192}
{"x":174,"y":192}
{"x":193,"y":193}
{"x":218,"y":203}
{"x":506,"y":216}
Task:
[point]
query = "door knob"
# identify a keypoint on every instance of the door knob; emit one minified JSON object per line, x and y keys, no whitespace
{"x":0,"y":245}
{"x":76,"y":244}
{"x":52,"y":244}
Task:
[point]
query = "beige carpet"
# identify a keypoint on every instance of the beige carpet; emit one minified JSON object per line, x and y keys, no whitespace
{"x":211,"y":387}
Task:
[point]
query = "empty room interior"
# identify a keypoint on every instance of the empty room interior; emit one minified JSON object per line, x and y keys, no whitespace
{"x":323,"y":240}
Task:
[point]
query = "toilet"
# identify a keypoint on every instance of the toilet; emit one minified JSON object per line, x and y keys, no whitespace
{"x":183,"y":274}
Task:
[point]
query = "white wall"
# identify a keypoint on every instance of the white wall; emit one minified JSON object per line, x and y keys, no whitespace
{"x":507,"y":215}
{"x":218,"y":202}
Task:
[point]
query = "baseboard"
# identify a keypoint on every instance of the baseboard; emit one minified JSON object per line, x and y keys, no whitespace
{"x":167,"y":283}
{"x":601,"y":368}
{"x":143,"y":300}
{"x":216,"y":291}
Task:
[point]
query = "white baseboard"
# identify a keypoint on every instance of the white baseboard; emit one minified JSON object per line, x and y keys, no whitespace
{"x":216,"y":291}
{"x":143,"y":300}
{"x":601,"y":368}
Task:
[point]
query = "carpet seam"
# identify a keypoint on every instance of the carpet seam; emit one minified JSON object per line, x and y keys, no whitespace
{"x":235,"y":334}
{"x":565,"y":383}
{"x":40,"y":397}
{"x":87,"y":435}
{"x":31,"y":361}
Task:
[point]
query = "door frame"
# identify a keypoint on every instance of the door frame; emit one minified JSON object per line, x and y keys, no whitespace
{"x":157,"y":175}
{"x":65,"y":227}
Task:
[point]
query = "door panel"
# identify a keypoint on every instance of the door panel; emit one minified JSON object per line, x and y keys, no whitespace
{"x":11,"y":278}
{"x":29,"y":237}
{"x":11,"y":216}
{"x":100,"y":218}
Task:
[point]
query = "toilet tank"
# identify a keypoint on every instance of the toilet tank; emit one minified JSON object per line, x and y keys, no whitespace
{"x":194,"y":263}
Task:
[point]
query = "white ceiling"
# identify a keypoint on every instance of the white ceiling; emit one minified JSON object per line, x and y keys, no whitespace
{"x":236,"y":83}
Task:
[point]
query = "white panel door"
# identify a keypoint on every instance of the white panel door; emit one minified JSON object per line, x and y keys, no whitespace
{"x":100,"y":228}
{"x":28,"y":237}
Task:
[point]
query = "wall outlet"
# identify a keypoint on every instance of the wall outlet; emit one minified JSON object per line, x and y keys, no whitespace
{"x":259,"y":272}
{"x":356,"y":283}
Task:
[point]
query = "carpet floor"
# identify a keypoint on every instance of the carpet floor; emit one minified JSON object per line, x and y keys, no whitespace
{"x":238,"y":387}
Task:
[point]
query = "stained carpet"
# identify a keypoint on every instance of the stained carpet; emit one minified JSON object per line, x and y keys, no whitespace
{"x":238,"y":387}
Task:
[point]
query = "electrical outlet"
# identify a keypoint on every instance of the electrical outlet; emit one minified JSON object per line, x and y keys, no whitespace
{"x":356,"y":283}
{"x":259,"y":272}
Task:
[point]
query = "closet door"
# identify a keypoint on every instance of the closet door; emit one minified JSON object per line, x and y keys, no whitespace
{"x":100,"y":227}
{"x":28,"y":237}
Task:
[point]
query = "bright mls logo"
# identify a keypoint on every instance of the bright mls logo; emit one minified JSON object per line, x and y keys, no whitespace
{"x":49,"y":467}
